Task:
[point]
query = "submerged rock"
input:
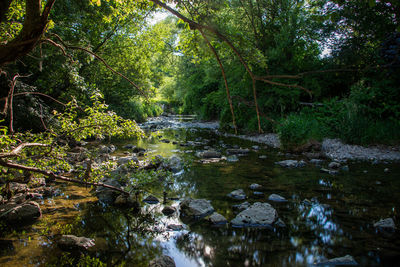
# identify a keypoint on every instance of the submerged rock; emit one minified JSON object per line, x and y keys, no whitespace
{"x":237,"y":194}
{"x":126,"y":201}
{"x":232,"y":158}
{"x":334,"y":165}
{"x":168,"y":210}
{"x":290,"y":163}
{"x":163,"y":261}
{"x":217,"y":219}
{"x":385,"y":224}
{"x":276,"y":198}
{"x":107,"y":195}
{"x":257,"y":215}
{"x":242,"y":206}
{"x":209,"y":154}
{"x":346,"y":260}
{"x":196,"y":208}
{"x":71,"y":242}
{"x":175,"y":227}
{"x":255,"y":187}
{"x":316,"y":161}
{"x":238,"y":151}
{"x":151,"y":200}
{"x":331,"y":172}
{"x":175,"y":164}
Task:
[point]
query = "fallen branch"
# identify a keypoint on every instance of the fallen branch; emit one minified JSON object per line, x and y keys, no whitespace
{"x":16,"y":151}
{"x":52,"y":175}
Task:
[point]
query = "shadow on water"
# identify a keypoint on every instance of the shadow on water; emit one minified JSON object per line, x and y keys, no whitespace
{"x":326,"y":216}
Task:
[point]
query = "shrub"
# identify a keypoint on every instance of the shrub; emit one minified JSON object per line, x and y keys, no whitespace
{"x":297,"y":130}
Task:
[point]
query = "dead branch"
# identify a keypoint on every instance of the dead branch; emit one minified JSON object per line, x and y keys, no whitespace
{"x":16,"y":151}
{"x":52,"y":175}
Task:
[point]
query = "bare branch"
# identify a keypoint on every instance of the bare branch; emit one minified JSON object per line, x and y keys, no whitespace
{"x":16,"y":151}
{"x":52,"y":175}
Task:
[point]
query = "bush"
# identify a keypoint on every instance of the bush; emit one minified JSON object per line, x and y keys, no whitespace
{"x":297,"y":130}
{"x":137,"y":110}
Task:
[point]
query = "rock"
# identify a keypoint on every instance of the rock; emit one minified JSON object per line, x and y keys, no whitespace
{"x":168,"y":210}
{"x":255,"y":187}
{"x":71,"y":242}
{"x":258,"y":194}
{"x":232,"y":158}
{"x":237,"y":194}
{"x":107,"y":195}
{"x":238,"y":151}
{"x":257,"y":215}
{"x":316,"y":161}
{"x":242,"y":206}
{"x":138,"y":150}
{"x":175,"y":227}
{"x":163,"y":261}
{"x":262,"y":157}
{"x":107,"y":149}
{"x":256,"y":147}
{"x":217,"y":219}
{"x":365,"y":171}
{"x":18,"y":198}
{"x":345,"y":168}
{"x":331,"y":172}
{"x":310,"y":146}
{"x":334,"y":165}
{"x":346,"y":260}
{"x":129,"y":146}
{"x":386,"y":170}
{"x":151,"y":200}
{"x":196,"y":208}
{"x":175,"y":164}
{"x":165,"y":141}
{"x":209,"y":154}
{"x":314,"y":155}
{"x":124,"y":160}
{"x":385,"y":224}
{"x":37,"y":182}
{"x":13,"y":213}
{"x":280,"y":224}
{"x":126,"y":201}
{"x":18,"y":188}
{"x":291,"y":163}
{"x":276,"y":198}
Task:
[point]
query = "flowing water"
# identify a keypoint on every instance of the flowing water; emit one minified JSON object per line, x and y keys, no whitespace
{"x":336,"y":219}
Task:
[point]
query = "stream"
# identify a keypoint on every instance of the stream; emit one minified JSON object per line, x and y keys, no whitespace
{"x":326,"y":216}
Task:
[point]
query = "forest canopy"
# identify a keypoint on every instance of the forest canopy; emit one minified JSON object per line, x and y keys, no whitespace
{"x":253,"y":65}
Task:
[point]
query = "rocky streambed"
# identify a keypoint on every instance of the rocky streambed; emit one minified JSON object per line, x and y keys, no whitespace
{"x":212,"y":200}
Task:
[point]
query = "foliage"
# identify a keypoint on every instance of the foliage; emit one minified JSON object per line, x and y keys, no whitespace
{"x":296,"y":130}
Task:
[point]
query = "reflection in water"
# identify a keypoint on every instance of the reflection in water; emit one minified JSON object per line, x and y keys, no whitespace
{"x":336,"y":221}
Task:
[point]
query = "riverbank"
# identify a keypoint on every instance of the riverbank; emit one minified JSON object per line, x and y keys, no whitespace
{"x":333,"y":149}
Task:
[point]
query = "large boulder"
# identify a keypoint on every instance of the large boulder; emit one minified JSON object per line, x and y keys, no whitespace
{"x":257,"y":215}
{"x":163,"y":261}
{"x":22,"y":213}
{"x":196,"y":208}
{"x":71,"y":242}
